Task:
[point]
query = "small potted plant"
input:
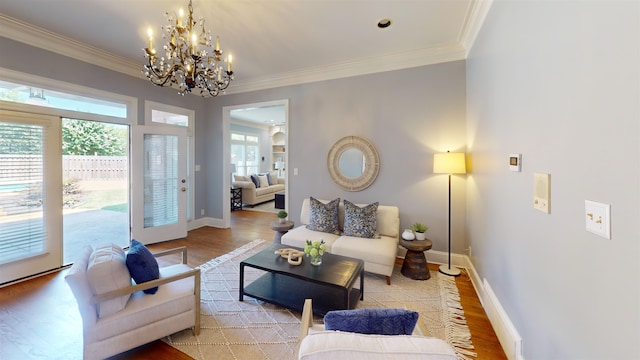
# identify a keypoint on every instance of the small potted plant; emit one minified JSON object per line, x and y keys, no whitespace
{"x":282,"y":215}
{"x":420,"y":229}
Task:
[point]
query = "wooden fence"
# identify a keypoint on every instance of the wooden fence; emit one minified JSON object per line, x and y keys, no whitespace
{"x":95,"y":167}
{"x":78,"y":167}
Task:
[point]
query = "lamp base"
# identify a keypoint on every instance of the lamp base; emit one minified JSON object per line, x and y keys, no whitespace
{"x":451,"y":271}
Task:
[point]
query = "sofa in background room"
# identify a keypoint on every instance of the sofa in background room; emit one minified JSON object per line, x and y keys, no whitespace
{"x":258,"y":188}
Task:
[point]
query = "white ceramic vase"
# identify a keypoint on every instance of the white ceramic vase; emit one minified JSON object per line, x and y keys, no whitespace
{"x":420,"y":236}
{"x":408,"y":234}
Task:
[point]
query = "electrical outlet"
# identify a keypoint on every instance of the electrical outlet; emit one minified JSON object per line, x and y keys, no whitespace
{"x":598,"y":218}
{"x":202,"y":212}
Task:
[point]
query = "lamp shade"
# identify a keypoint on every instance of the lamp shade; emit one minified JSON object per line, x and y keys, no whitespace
{"x":449,"y":163}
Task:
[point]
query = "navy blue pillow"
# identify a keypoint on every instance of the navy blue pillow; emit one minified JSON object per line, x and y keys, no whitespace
{"x":372,"y":321}
{"x":142,"y":265}
{"x":255,"y":180}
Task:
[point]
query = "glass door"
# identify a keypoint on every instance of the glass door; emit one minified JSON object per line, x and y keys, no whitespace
{"x":30,"y":198}
{"x":159,"y":189}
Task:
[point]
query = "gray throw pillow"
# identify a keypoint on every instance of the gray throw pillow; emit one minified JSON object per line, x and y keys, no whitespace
{"x":360,"y":221}
{"x":324,"y":217}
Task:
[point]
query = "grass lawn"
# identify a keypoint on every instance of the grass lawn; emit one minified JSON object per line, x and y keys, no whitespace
{"x":115,"y":200}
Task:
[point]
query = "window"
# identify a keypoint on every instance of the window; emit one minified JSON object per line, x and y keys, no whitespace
{"x":245,"y":153}
{"x":162,"y":114}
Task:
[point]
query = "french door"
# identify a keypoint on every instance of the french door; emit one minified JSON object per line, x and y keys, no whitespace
{"x":159,"y":183}
{"x":30,"y":196}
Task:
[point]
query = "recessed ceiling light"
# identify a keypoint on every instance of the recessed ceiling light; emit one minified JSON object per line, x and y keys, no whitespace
{"x":384,"y":23}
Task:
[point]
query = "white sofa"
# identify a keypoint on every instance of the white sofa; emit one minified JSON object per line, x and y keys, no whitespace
{"x":379,"y":255}
{"x":316,"y":343}
{"x":252,"y":195}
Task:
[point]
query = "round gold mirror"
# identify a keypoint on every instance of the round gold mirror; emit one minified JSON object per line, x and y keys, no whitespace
{"x":353,"y":163}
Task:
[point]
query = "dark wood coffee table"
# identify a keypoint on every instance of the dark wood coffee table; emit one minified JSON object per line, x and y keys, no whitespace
{"x":330,"y":285}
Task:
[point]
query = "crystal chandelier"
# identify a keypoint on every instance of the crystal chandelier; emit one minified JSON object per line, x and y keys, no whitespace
{"x":190,"y":61}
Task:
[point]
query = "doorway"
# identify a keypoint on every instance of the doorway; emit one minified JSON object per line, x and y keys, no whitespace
{"x":95,"y":185}
{"x":273,"y":118}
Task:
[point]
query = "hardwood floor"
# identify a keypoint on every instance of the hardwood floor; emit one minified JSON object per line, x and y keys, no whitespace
{"x":39,"y":317}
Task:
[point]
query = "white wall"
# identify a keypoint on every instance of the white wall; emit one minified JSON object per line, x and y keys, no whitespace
{"x":558,"y":81}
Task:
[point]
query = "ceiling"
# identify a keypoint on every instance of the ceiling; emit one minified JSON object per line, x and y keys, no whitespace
{"x":273,"y":42}
{"x":273,"y":115}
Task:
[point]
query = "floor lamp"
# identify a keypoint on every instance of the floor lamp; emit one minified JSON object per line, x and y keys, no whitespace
{"x":449,"y":163}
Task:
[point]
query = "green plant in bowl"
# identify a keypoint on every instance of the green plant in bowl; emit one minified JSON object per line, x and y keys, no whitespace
{"x":420,"y":229}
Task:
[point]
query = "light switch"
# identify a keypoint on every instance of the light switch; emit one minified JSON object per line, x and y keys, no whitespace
{"x":197,"y":168}
{"x":541,"y":192}
{"x":514,"y":162}
{"x":598,"y":218}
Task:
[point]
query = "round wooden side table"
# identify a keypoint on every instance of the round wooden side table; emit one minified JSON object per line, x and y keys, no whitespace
{"x":415,"y":264}
{"x":281,"y":229}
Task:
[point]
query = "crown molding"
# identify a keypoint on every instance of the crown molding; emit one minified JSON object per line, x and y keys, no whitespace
{"x":41,"y":38}
{"x":32,"y":35}
{"x":390,"y":62}
{"x":472,"y":25}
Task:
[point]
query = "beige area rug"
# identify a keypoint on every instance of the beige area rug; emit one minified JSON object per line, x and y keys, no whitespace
{"x":253,"y":329}
{"x":269,"y":206}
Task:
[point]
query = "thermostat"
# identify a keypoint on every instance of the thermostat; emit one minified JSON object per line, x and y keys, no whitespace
{"x":514,"y":162}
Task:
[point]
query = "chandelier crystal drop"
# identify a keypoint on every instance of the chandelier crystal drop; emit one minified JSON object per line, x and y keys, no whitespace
{"x":190,"y":61}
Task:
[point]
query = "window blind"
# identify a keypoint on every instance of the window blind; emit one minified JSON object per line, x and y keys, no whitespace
{"x":22,"y":228}
{"x":160,"y":180}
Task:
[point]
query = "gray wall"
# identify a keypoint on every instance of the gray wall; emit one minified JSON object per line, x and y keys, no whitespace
{"x":559,"y":83}
{"x":27,"y":59}
{"x":407,"y":114}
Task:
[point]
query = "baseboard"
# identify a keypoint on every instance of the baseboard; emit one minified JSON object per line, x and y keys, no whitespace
{"x":506,"y":332}
{"x":439,"y":257}
{"x":205,"y":221}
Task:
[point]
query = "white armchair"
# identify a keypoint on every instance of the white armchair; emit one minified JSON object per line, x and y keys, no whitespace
{"x":144,"y":317}
{"x":316,"y":343}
